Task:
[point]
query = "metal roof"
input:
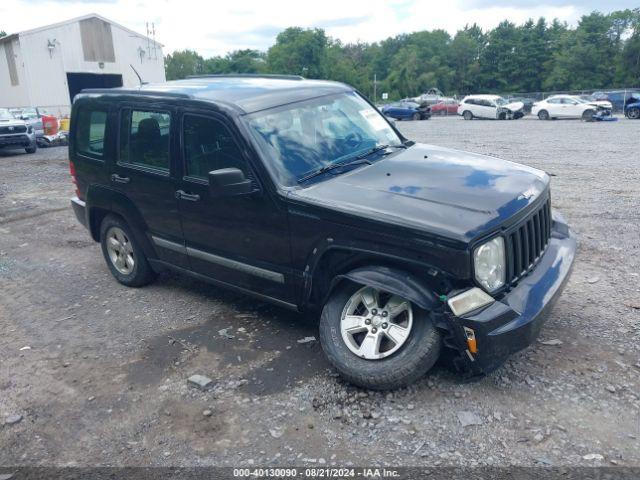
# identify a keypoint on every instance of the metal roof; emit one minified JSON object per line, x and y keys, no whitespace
{"x":78,"y":19}
{"x":247,"y":93}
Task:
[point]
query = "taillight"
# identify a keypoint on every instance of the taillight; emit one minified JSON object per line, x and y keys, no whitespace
{"x":74,"y":180}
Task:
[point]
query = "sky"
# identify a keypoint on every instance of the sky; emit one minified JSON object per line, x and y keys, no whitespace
{"x":216,"y":27}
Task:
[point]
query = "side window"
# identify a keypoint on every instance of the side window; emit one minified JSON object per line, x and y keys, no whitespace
{"x":554,"y":101}
{"x":208,"y":146}
{"x":89,"y":137}
{"x":144,"y":138}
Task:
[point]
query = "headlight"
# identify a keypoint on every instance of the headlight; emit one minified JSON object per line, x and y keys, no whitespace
{"x":489,"y":264}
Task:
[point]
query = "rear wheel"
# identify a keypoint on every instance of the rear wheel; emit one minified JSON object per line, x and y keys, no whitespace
{"x":633,"y":113}
{"x":124,"y":256}
{"x":543,"y":115}
{"x":377,"y":340}
{"x":467,"y":115}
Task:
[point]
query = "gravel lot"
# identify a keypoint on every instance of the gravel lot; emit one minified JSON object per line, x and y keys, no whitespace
{"x":95,"y":373}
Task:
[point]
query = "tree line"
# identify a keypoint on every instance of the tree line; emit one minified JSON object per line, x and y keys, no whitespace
{"x":602,"y":51}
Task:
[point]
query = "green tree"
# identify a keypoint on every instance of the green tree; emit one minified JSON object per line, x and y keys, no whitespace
{"x":183,"y":63}
{"x":299,"y":51}
{"x":586,"y":55}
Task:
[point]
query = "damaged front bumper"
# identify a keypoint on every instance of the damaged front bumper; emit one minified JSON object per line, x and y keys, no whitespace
{"x":514,"y":321}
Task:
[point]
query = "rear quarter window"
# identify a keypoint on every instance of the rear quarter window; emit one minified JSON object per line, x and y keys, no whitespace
{"x":90,"y":131}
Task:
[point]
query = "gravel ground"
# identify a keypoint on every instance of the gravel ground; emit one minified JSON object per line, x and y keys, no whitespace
{"x":93,"y":373}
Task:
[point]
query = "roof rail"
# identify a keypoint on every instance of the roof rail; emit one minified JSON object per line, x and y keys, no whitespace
{"x":248,"y":75}
{"x":149,"y":93}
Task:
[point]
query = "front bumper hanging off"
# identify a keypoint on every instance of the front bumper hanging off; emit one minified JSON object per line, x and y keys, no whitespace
{"x":514,"y":321}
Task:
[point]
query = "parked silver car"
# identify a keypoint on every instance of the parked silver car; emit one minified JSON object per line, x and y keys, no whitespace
{"x":16,"y":133}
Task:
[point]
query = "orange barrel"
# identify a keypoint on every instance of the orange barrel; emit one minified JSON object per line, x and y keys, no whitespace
{"x":50,"y":124}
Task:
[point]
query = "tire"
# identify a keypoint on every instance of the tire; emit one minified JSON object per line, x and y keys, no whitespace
{"x":415,"y":116}
{"x":32,"y":149}
{"x":399,"y":368}
{"x":633,"y":113}
{"x":467,"y":115}
{"x":543,"y":115}
{"x":134,"y":271}
{"x":587,"y":115}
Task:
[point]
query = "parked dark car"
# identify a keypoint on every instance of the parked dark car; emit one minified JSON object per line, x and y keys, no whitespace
{"x":407,"y":110}
{"x":526,"y":101}
{"x":632,"y":107}
{"x":301,"y":193}
{"x":616,"y":97}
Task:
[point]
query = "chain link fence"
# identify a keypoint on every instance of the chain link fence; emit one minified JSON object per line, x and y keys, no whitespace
{"x":447,"y":105}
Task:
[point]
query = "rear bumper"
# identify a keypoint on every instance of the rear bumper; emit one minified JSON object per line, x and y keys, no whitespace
{"x":80,"y":209}
{"x":514,"y":322}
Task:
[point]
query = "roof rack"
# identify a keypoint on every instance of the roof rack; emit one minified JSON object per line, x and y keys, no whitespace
{"x":248,"y":75}
{"x":150,"y":93}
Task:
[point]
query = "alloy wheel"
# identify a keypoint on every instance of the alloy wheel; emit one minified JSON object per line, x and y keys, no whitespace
{"x":375,"y":324}
{"x":120,"y":250}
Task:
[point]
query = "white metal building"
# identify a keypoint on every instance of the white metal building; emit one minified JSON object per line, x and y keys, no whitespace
{"x":46,"y":67}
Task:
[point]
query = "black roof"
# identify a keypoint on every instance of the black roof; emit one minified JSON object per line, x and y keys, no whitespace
{"x":246,"y":93}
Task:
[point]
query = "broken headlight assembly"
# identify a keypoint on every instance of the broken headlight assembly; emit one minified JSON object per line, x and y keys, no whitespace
{"x":489,"y":264}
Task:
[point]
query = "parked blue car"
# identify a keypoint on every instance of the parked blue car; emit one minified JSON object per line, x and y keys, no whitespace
{"x":632,"y":107}
{"x":616,"y":97}
{"x":407,"y":110}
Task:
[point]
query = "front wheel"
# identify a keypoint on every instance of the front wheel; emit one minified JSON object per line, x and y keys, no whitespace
{"x":587,"y":115}
{"x":31,"y":148}
{"x":633,"y":113}
{"x":543,"y":115}
{"x":415,"y":116}
{"x":467,"y":115}
{"x":377,"y":340}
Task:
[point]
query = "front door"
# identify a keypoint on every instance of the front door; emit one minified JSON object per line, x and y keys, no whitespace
{"x":241,"y":240}
{"x":145,"y":174}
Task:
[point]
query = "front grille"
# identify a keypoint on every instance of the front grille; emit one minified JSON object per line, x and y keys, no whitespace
{"x":10,"y":130}
{"x":527,"y":242}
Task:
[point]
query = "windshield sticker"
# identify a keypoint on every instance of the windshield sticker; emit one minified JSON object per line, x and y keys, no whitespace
{"x":374,"y":119}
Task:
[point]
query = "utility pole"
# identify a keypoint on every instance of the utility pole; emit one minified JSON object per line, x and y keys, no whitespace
{"x":375,"y":85}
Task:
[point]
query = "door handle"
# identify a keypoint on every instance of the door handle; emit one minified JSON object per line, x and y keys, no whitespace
{"x":191,"y":197}
{"x":118,"y":179}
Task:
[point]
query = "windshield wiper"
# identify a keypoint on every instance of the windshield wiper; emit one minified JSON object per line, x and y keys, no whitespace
{"x":332,"y":166}
{"x":357,"y":160}
{"x":379,"y":148}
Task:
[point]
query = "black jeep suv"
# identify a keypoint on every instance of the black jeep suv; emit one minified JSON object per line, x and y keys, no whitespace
{"x":301,"y":193}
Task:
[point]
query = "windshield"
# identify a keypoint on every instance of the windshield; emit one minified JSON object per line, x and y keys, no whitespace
{"x":5,"y":114}
{"x":303,"y":137}
{"x":501,"y":101}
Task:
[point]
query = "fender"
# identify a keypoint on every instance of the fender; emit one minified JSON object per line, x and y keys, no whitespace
{"x":115,"y":202}
{"x":395,"y":281}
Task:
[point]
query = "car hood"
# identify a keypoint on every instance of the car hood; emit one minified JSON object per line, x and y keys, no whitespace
{"x":514,"y":106}
{"x":445,"y":192}
{"x":14,"y":122}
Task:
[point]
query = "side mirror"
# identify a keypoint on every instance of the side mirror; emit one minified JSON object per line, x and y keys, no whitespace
{"x":228,"y":182}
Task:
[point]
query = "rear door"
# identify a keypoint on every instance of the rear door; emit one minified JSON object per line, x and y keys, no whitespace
{"x":240,"y":240}
{"x":145,"y":174}
{"x":555,"y":107}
